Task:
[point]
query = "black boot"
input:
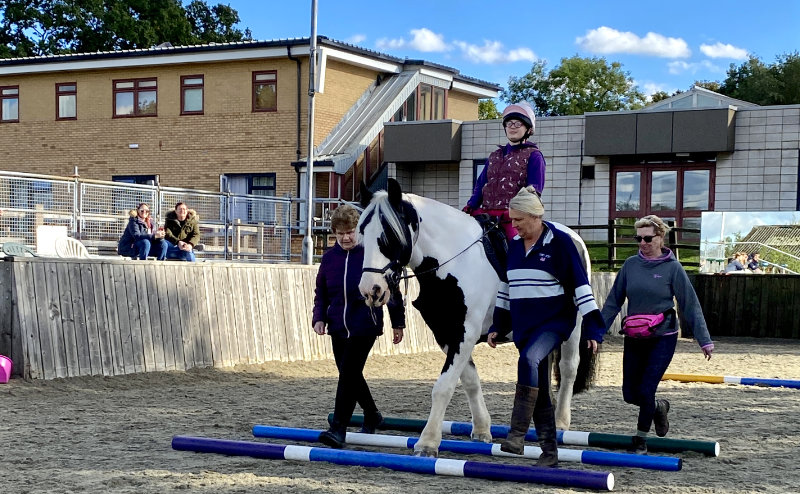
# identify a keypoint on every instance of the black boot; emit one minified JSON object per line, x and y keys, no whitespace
{"x":639,"y":445}
{"x":334,"y":436}
{"x":545,"y":422}
{"x":524,"y":401}
{"x":660,"y":419}
{"x":372,"y":421}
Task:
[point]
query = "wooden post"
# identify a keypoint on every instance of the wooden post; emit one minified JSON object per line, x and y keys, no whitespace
{"x":673,"y":239}
{"x":612,"y":239}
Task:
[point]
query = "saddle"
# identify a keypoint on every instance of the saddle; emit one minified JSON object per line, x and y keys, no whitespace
{"x":495,"y":244}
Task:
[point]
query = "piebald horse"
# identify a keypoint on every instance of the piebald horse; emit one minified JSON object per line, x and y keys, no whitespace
{"x":457,"y":293}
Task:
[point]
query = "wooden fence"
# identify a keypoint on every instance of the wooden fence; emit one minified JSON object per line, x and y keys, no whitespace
{"x":758,"y":305}
{"x":65,"y":318}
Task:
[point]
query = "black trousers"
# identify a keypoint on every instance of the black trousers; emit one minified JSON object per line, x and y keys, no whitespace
{"x":351,"y":356}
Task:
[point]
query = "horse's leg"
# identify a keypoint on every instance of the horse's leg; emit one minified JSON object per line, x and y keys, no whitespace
{"x":481,"y":421}
{"x":443,"y":388}
{"x":568,"y":367}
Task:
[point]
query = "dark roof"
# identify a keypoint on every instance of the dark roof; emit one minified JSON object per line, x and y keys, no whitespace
{"x":781,"y":237}
{"x":163,"y":50}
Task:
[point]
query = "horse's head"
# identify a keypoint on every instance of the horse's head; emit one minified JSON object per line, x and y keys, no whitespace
{"x":388,"y":228}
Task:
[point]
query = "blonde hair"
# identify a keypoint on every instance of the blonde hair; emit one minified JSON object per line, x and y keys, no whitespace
{"x":528,"y":201}
{"x":657,"y":223}
{"x":344,"y":218}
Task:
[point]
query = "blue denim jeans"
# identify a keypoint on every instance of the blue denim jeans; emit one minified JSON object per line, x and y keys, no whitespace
{"x":533,"y":367}
{"x":644,"y":362}
{"x":144,"y":248}
{"x":174,"y":252}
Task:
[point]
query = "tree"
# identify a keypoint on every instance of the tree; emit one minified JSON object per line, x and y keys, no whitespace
{"x":576,"y":86}
{"x":710,"y":85}
{"x":51,"y":27}
{"x":659,"y":96}
{"x":756,"y":82}
{"x":487,"y":110}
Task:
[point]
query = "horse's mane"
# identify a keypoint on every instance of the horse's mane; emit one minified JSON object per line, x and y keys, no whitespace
{"x":380,"y":201}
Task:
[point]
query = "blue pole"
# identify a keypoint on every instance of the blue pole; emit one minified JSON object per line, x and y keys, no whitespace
{"x":405,"y":463}
{"x":603,"y":458}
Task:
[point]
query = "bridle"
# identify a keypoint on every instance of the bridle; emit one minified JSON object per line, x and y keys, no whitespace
{"x":391,"y":272}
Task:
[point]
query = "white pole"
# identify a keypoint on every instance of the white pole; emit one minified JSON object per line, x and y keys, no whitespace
{"x":308,"y":243}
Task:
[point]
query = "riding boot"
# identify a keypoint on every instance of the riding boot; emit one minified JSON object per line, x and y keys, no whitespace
{"x":372,"y":421}
{"x":334,"y":436}
{"x":545,"y":423}
{"x":638,"y":445}
{"x":524,"y":402}
{"x":660,"y":418}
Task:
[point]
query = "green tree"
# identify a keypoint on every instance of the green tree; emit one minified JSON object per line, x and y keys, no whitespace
{"x":753,"y":81}
{"x":487,"y":110}
{"x":576,"y":86}
{"x":710,"y":85}
{"x":51,"y":27}
{"x":658,"y":96}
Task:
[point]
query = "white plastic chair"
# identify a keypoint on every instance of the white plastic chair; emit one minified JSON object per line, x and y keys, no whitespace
{"x":67,"y":247}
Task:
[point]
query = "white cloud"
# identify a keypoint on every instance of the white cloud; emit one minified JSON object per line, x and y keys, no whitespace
{"x":605,"y":40}
{"x":356,"y":39}
{"x":493,"y":52}
{"x":650,"y":88}
{"x":719,"y":50}
{"x":426,"y":40}
{"x":390,"y":44}
{"x":680,"y":67}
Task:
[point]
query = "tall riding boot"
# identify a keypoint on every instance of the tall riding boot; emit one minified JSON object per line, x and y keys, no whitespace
{"x":524,"y":401}
{"x":335,"y":435}
{"x":545,"y":422}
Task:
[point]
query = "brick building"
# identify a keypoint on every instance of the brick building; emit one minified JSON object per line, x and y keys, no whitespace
{"x":229,"y":116}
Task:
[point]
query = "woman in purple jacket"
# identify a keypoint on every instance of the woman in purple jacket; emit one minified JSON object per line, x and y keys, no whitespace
{"x":339,"y":310}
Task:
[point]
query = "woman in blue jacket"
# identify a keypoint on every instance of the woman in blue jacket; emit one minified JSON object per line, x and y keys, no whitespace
{"x":141,"y":237}
{"x":339,"y":310}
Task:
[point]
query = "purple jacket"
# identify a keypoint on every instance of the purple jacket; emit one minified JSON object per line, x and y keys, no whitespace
{"x":534,"y":176}
{"x":338,"y":302}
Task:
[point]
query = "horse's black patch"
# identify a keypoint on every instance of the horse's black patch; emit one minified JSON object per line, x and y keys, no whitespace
{"x":366,"y":220}
{"x":441,"y":304}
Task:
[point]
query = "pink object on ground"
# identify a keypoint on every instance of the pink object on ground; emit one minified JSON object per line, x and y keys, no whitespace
{"x":5,"y":369}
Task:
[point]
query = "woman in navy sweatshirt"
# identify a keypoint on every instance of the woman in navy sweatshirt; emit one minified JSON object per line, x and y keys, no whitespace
{"x":339,"y":310}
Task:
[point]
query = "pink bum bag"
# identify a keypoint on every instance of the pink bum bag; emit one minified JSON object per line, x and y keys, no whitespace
{"x":641,"y":325}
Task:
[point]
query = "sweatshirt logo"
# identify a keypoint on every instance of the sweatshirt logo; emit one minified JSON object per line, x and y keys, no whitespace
{"x":656,"y":275}
{"x":544,"y":257}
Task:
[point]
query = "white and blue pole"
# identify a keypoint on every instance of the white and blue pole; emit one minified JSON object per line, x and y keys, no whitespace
{"x":404,"y":463}
{"x":603,"y":458}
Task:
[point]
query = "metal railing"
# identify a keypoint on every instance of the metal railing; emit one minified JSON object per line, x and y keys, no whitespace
{"x":232,"y":226}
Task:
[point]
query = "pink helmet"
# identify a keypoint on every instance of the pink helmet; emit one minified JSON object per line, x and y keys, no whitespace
{"x":521,"y":111}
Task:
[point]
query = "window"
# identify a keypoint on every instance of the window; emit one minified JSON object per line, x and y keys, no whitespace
{"x":192,"y":95}
{"x":673,"y":191}
{"x":9,"y":103}
{"x":425,"y":103}
{"x":265,"y":91}
{"x":135,"y":98}
{"x":257,"y":184}
{"x":66,"y":101}
{"x":136,"y":179}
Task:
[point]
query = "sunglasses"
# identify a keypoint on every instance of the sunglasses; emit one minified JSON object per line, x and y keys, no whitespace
{"x":144,"y":210}
{"x":646,"y":238}
{"x":514,"y":124}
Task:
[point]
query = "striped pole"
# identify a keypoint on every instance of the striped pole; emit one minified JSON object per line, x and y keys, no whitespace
{"x":574,"y":438}
{"x":752,"y":381}
{"x":404,"y":463}
{"x":603,"y":458}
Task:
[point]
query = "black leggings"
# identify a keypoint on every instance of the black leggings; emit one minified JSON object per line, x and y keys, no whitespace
{"x":351,"y":356}
{"x":644,"y":362}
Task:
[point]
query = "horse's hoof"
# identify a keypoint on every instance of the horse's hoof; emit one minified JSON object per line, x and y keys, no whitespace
{"x":426,"y":453}
{"x":484,"y":437}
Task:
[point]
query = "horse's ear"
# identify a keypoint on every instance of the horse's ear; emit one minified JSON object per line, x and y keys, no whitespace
{"x":366,"y":195}
{"x":395,"y":193}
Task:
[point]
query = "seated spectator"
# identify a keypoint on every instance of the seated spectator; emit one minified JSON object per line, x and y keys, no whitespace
{"x":754,"y":263}
{"x":182,"y":231}
{"x":737,"y":264}
{"x":141,"y":237}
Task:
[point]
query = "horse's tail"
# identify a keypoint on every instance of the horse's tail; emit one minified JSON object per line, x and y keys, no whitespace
{"x":587,"y":369}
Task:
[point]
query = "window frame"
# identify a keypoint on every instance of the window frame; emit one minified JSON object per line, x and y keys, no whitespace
{"x":5,"y":97}
{"x":254,"y":82}
{"x":135,"y":90}
{"x":60,"y":92}
{"x":136,"y":179}
{"x":645,"y":186}
{"x":201,"y":86}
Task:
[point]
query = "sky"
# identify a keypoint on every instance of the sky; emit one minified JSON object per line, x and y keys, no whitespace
{"x":717,"y":226}
{"x":664,"y":46}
